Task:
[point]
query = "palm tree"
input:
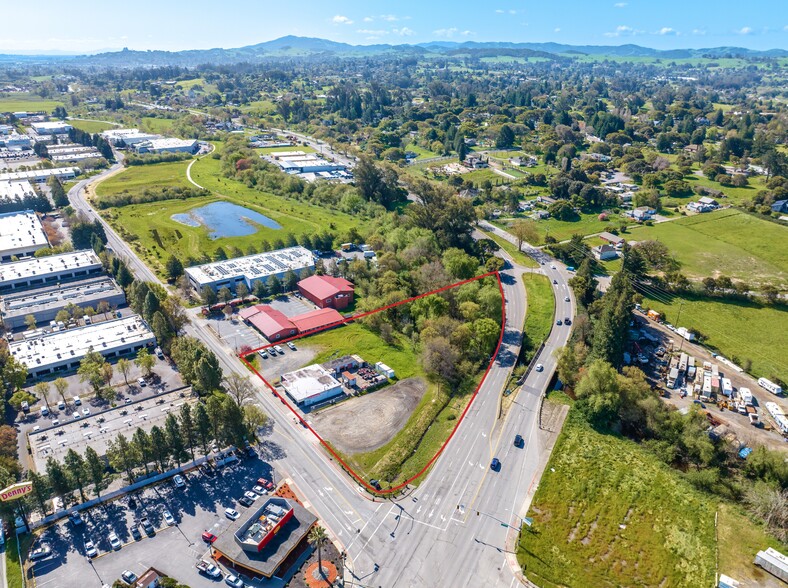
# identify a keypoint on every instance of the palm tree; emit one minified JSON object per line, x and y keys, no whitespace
{"x":317,"y":536}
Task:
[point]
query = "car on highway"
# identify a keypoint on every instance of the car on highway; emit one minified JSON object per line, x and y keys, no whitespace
{"x":566,"y":298}
{"x":168,"y":518}
{"x":90,"y":549}
{"x":495,"y":464}
{"x":128,"y":576}
{"x":209,"y":537}
{"x":231,"y":513}
{"x":558,"y":322}
{"x":519,"y":441}
{"x":539,"y":367}
{"x":179,"y":481}
{"x":552,"y":267}
{"x":234,"y":581}
{"x":555,"y":281}
{"x":245,"y":501}
{"x":40,"y":552}
{"x":567,"y":321}
{"x":114,"y":541}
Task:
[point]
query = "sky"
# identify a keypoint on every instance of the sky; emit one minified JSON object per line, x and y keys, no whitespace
{"x":91,"y":26}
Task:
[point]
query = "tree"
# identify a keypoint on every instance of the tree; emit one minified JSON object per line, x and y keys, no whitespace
{"x":41,"y":490}
{"x":291,"y":281}
{"x":61,"y":385}
{"x":59,"y":196}
{"x":142,"y":444}
{"x":75,"y":468}
{"x":103,"y":307}
{"x":91,"y":369}
{"x":30,"y":321}
{"x":57,"y":478}
{"x":459,"y":264}
{"x":242,"y":290}
{"x":317,"y":537}
{"x":610,"y":329}
{"x":124,"y":367}
{"x":202,"y":427}
{"x":238,"y":387}
{"x":42,"y":389}
{"x":159,"y":447}
{"x":14,"y":373}
{"x":124,"y":276}
{"x":172,"y":432}
{"x":95,"y":469}
{"x":376,"y":184}
{"x":188,"y":428}
{"x":225,"y":294}
{"x":599,"y":394}
{"x":145,"y":361}
{"x":525,"y":231}
{"x":173,"y":267}
{"x":274,"y":286}
{"x":208,"y":373}
{"x":584,"y":283}
{"x":123,"y":456}
{"x":208,"y":295}
{"x":505,"y":138}
{"x":254,"y":417}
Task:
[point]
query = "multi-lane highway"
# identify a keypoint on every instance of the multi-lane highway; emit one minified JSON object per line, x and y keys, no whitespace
{"x":458,"y":526}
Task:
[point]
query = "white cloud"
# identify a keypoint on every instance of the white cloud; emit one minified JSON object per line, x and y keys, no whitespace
{"x":624,"y":31}
{"x":667,"y":31}
{"x":699,"y":32}
{"x":448,"y":33}
{"x":619,"y":4}
{"x":368,"y":19}
{"x":404,"y":32}
{"x":468,"y":33}
{"x":373,"y":32}
{"x":389,"y":17}
{"x":557,"y":30}
{"x":745,"y":31}
{"x":339,"y":19}
{"x":499,"y":11}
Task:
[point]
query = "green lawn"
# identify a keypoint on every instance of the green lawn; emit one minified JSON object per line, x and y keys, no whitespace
{"x":20,"y":102}
{"x":594,"y":485}
{"x":730,"y":242}
{"x":478,"y":176}
{"x":267,"y":150}
{"x":739,"y":330}
{"x":587,"y":224}
{"x":13,"y":571}
{"x":261,"y":106}
{"x":90,"y":126}
{"x":152,"y":124}
{"x":540,"y":313}
{"x":423,"y":153}
{"x":136,"y":179}
{"x":404,"y":455}
{"x":734,"y":195}
{"x":511,"y":249}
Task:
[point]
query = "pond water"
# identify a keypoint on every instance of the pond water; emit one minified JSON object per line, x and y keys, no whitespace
{"x":224,"y":219}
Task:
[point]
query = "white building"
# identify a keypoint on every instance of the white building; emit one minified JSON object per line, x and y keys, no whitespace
{"x":16,"y":141}
{"x":51,"y":128}
{"x":251,"y":268}
{"x":128,"y":136}
{"x":44,"y":303}
{"x":311,"y":385}
{"x":21,"y":234}
{"x":11,"y":191}
{"x":167,"y":146}
{"x":62,"y":350}
{"x":39,"y":271}
{"x":41,"y":175}
{"x":299,"y":162}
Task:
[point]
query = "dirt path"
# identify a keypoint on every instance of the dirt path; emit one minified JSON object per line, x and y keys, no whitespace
{"x":367,"y":422}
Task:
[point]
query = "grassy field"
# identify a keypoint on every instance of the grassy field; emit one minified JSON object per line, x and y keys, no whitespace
{"x":540,"y":312}
{"x":136,"y":179}
{"x":588,"y":224}
{"x":90,"y":126}
{"x":594,"y":485}
{"x":511,"y":249}
{"x":738,"y":330}
{"x":151,"y":124}
{"x":20,"y":102}
{"x":730,"y":242}
{"x":267,"y":150}
{"x":13,"y":571}
{"x":404,"y":455}
{"x":734,"y":195}
{"x":423,"y":153}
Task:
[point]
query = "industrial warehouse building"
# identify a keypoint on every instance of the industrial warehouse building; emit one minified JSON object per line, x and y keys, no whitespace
{"x":167,"y":146}
{"x":275,"y":325}
{"x":299,"y":162}
{"x":129,"y":137}
{"x":41,"y":175}
{"x":259,"y":544}
{"x":327,"y":291}
{"x":16,"y":191}
{"x":51,"y":128}
{"x":63,"y":350}
{"x":39,"y":271}
{"x":251,"y":268}
{"x":21,"y":234}
{"x":311,"y":385}
{"x":44,"y":303}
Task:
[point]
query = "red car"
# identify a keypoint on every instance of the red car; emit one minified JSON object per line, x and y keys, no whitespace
{"x":267,"y":484}
{"x":208,"y":537}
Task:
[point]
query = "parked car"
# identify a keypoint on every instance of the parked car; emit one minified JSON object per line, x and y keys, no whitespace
{"x":272,"y":351}
{"x":495,"y":465}
{"x":209,"y":537}
{"x":245,"y":501}
{"x":90,"y":549}
{"x":41,"y":552}
{"x":251,"y":495}
{"x":209,"y":569}
{"x":263,"y":353}
{"x":141,"y":382}
{"x":75,"y":518}
{"x":265,"y":483}
{"x":234,"y":581}
{"x":279,"y":350}
{"x":135,"y":533}
{"x":147,"y":526}
{"x":114,"y":541}
{"x":75,"y":415}
{"x":518,"y":441}
{"x":128,"y":576}
{"x":86,"y":411}
{"x":159,"y":353}
{"x":231,"y":513}
{"x":168,"y":518}
{"x":291,"y":345}
{"x":260,"y":490}
{"x":179,"y":481}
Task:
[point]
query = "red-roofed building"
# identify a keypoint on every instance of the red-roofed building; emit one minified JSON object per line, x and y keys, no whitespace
{"x":273,"y":324}
{"x":327,"y":291}
{"x":316,"y":319}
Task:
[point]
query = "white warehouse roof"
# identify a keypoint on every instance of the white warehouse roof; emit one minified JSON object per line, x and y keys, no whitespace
{"x":252,"y":267}
{"x":21,"y":231}
{"x":15,"y":190}
{"x":310,"y":381}
{"x":40,"y":267}
{"x":36,"y":174}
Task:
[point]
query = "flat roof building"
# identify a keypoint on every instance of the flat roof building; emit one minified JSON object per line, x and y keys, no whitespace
{"x":21,"y":234}
{"x":16,"y":141}
{"x":41,"y":175}
{"x":44,"y":303}
{"x":15,"y":191}
{"x":311,"y":385}
{"x":51,"y":128}
{"x":251,"y":268}
{"x":168,"y":145}
{"x":298,"y":162}
{"x":128,"y":136}
{"x":63,"y":350}
{"x":49,"y":270}
{"x":260,"y":543}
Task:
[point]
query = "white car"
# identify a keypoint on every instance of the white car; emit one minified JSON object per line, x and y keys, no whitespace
{"x":168,"y":518}
{"x":141,"y":382}
{"x":179,"y":481}
{"x":86,"y":411}
{"x":251,"y":495}
{"x":552,"y":267}
{"x":128,"y":576}
{"x":114,"y":541}
{"x":231,"y":513}
{"x":279,"y":350}
{"x":260,"y":490}
{"x":90,"y":549}
{"x":233,"y":581}
{"x":291,"y":345}
{"x":566,"y":298}
{"x":75,"y":415}
{"x":539,"y":367}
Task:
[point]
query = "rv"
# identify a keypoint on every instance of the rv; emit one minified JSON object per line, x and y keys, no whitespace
{"x":705,"y":393}
{"x":673,"y":376}
{"x":746,"y":396}
{"x":683,"y":363}
{"x":770,"y":386}
{"x":727,"y":387}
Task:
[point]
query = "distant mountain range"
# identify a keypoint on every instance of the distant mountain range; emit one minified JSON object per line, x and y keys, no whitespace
{"x":292,"y":46}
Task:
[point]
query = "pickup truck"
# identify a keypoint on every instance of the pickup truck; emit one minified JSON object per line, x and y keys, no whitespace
{"x":208,"y":569}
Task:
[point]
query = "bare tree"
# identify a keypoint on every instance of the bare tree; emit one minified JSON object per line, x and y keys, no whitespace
{"x":238,"y":387}
{"x":525,"y":231}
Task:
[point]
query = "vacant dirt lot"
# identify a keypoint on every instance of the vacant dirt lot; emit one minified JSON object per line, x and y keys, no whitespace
{"x":367,"y":422}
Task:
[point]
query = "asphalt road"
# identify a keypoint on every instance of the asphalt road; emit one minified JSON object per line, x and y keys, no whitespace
{"x":433,"y":536}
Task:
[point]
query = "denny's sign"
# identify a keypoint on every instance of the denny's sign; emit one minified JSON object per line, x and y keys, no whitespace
{"x":16,"y":491}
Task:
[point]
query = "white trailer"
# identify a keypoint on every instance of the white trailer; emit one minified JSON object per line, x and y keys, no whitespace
{"x":746,"y":396}
{"x":727,"y":387}
{"x":770,"y":386}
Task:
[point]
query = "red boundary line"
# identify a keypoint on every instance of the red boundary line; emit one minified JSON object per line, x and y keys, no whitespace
{"x":345,"y":321}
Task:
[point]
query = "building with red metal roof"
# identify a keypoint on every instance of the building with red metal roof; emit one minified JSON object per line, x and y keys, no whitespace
{"x":327,"y":291}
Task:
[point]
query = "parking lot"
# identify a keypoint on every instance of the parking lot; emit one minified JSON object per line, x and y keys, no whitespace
{"x":173,"y":550}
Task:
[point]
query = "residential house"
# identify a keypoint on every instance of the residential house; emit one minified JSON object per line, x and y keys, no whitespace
{"x":643,"y":213}
{"x":604,"y":252}
{"x":780,"y":206}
